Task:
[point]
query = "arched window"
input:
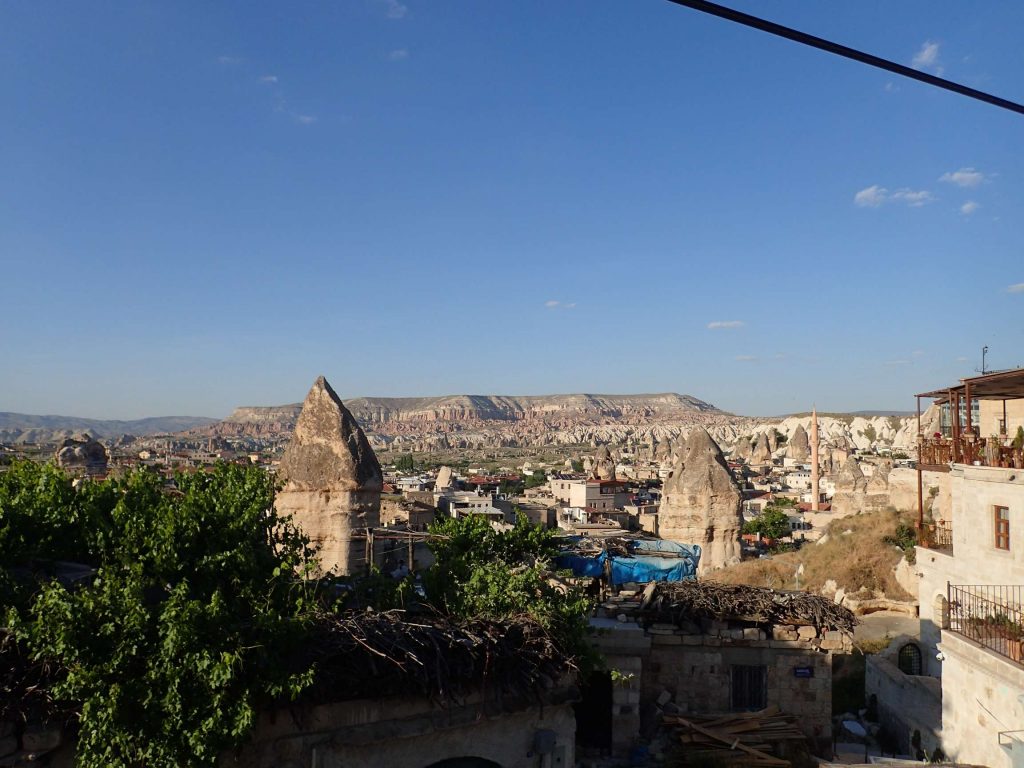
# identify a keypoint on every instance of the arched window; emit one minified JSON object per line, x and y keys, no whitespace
{"x":909,"y":659}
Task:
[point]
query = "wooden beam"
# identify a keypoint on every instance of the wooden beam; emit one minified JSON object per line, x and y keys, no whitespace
{"x":763,"y":757}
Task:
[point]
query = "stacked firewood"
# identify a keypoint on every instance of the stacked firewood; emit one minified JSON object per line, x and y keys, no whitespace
{"x":738,"y":739}
{"x":690,"y":600}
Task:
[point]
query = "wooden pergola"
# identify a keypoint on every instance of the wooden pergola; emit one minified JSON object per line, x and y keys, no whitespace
{"x":965,"y":445}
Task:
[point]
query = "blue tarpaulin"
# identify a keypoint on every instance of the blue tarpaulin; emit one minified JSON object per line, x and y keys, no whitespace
{"x":640,"y":568}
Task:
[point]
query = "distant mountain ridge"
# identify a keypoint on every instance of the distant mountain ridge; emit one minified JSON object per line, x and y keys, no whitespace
{"x":28,"y":428}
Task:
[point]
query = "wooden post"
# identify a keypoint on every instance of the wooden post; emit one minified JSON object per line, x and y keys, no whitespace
{"x":954,"y":423}
{"x":920,"y":502}
{"x":967,"y":404}
{"x":369,"y":551}
{"x":411,"y":552}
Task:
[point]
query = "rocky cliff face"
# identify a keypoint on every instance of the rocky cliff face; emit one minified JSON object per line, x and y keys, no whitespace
{"x":83,"y":456}
{"x":701,"y":503}
{"x":479,"y":421}
{"x":332,"y":480}
{"x":649,"y":423}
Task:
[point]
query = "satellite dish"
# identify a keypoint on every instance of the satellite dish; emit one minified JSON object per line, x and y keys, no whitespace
{"x":855,"y":728}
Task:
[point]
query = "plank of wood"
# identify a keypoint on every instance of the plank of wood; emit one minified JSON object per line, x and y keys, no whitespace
{"x":735,"y":744}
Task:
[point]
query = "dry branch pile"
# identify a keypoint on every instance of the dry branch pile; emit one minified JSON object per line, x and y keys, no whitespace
{"x":674,"y":602}
{"x":371,"y":654}
{"x":766,"y":738}
{"x":25,"y":685}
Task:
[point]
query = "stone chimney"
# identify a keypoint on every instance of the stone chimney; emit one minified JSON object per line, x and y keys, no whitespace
{"x":331,"y":481}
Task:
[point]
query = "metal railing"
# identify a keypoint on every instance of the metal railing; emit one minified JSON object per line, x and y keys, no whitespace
{"x":938,"y":535}
{"x":992,"y":616}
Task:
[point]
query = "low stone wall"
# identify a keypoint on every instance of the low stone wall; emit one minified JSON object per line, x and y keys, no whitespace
{"x":412,"y":732}
{"x":906,"y":703}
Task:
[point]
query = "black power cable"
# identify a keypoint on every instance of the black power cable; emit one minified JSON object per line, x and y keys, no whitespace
{"x":850,"y":53}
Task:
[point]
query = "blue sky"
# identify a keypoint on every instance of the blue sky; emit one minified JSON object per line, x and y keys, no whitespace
{"x":208,"y":204}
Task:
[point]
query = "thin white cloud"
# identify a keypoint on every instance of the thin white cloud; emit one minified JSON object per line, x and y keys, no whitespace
{"x":876,"y":196}
{"x":715,"y":325}
{"x":915,"y":199}
{"x":917,"y":353}
{"x":891,"y":87}
{"x":229,"y":61}
{"x":552,"y":303}
{"x":305,"y":119}
{"x":927,"y":57}
{"x":269,"y":79}
{"x":395,"y":9}
{"x":745,"y":358}
{"x":897,"y":362}
{"x":965,"y":177}
{"x":399,"y":54}
{"x":1016,"y":288}
{"x":962,"y":359}
{"x":969,"y":207}
{"x":556,"y":304}
{"x":871,"y":197}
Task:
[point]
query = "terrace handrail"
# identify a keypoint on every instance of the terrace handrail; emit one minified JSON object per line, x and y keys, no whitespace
{"x":938,"y":535}
{"x":990,"y":615}
{"x":969,"y":449}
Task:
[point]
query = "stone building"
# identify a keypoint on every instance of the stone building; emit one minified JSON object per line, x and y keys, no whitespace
{"x":332,"y":480}
{"x":971,"y":589}
{"x":699,"y":647}
{"x":416,"y":692}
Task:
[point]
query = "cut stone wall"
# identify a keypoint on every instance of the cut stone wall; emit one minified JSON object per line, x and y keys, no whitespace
{"x":693,"y":666}
{"x":982,"y":695}
{"x":407,"y":732}
{"x":906,"y":703}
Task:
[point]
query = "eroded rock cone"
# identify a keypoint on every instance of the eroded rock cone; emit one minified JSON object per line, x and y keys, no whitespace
{"x":762,"y":452}
{"x":604,"y":465}
{"x":799,"y":447}
{"x":851,"y":489}
{"x":701,"y":503}
{"x":742,"y":449}
{"x":332,"y":480}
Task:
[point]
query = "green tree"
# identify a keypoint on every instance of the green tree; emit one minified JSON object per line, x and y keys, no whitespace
{"x":536,"y":480}
{"x":483,"y":572}
{"x":773,"y":523}
{"x":405,"y":463}
{"x":1018,"y":439}
{"x":182,"y":635}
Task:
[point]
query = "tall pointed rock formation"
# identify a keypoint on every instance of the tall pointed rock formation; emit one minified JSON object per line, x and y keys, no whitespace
{"x":332,"y":480}
{"x":799,"y":447}
{"x":701,"y":503}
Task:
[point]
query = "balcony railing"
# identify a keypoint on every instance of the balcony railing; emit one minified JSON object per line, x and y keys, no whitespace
{"x":937,"y":535}
{"x":985,"y":451}
{"x":990,"y":615}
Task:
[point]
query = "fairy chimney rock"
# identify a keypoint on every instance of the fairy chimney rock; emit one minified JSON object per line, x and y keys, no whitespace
{"x":604,"y":465}
{"x":701,"y":503}
{"x":762,"y":452}
{"x":799,"y":447}
{"x":331,"y":480}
